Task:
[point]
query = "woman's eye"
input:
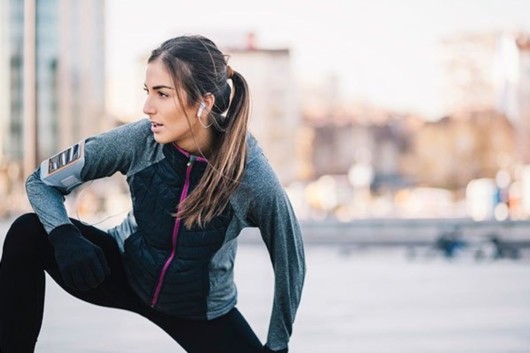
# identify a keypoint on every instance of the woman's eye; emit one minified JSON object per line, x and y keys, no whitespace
{"x":160,"y":93}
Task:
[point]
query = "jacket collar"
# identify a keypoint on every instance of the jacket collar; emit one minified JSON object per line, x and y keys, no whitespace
{"x":187,"y":154}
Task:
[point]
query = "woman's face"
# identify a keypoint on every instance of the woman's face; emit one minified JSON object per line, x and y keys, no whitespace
{"x":168,"y":118}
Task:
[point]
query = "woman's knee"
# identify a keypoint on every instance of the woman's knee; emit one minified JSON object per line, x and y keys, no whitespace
{"x":26,"y":225}
{"x":26,"y":220}
{"x":25,"y":235}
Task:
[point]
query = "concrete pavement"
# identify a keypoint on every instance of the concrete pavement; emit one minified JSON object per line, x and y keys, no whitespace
{"x":368,"y":301}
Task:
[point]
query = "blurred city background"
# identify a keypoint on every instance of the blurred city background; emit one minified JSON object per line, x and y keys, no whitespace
{"x":396,"y":125}
{"x":380,"y":110}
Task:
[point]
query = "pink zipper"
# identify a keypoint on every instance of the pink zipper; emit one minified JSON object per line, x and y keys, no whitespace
{"x":176,"y":231}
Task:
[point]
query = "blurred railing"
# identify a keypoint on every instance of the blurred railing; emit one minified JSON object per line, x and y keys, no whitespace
{"x":414,"y":232}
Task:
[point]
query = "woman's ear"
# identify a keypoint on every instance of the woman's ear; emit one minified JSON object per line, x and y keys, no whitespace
{"x":209,"y":101}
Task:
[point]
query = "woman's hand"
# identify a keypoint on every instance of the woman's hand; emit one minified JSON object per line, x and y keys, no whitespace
{"x":81,"y":263}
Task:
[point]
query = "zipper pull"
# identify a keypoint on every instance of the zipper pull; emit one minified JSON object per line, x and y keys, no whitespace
{"x":192,"y":160}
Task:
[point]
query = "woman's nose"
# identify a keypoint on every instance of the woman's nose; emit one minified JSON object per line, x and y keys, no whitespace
{"x":148,"y":107}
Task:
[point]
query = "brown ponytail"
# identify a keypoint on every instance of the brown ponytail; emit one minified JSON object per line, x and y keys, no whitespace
{"x":226,"y":163}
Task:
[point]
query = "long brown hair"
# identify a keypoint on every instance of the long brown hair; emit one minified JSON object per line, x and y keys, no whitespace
{"x":198,"y":68}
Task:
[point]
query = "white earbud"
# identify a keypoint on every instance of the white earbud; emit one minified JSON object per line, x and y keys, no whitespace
{"x":202,"y":106}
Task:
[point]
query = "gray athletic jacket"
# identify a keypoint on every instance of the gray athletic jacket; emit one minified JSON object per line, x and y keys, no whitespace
{"x":180,"y":271}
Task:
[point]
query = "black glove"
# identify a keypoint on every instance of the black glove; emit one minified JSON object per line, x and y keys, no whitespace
{"x":81,"y":263}
{"x":268,"y":350}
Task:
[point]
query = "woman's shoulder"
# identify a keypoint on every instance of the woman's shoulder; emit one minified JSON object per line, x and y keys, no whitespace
{"x":260,"y":191}
{"x":257,"y":165}
{"x":260,"y":178}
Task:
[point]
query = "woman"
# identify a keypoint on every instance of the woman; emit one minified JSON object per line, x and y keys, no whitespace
{"x":196,"y":178}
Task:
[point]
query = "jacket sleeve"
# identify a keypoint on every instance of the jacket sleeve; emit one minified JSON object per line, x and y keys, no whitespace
{"x":104,"y":155}
{"x":272,"y":213}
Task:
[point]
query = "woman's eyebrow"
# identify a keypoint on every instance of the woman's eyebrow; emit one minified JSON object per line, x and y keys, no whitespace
{"x":159,"y":87}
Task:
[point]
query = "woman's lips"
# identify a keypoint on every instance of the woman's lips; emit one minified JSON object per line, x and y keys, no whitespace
{"x":156,"y":127}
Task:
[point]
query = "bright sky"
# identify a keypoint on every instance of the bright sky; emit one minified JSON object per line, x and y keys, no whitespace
{"x":381,"y":50}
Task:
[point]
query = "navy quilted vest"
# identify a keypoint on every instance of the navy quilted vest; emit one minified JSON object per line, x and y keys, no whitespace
{"x":167,"y":263}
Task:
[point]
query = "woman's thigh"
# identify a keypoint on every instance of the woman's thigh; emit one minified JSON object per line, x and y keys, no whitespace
{"x":229,"y":333}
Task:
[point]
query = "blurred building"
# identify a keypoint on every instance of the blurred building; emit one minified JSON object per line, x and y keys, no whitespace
{"x":490,"y":71}
{"x":452,"y":151}
{"x":4,"y":84}
{"x":11,"y":88}
{"x":53,"y":93}
{"x":523,"y":98}
{"x":275,"y":117}
{"x":360,"y":136}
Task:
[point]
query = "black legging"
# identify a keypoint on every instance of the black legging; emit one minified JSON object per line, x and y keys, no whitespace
{"x":27,"y":253}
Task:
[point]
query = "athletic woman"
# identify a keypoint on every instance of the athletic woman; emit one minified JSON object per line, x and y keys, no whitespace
{"x":196,"y":179}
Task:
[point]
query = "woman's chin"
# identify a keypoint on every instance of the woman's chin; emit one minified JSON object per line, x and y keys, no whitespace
{"x":161,"y":139}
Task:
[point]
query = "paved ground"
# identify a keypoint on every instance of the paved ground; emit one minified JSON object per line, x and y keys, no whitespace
{"x":370,"y":301}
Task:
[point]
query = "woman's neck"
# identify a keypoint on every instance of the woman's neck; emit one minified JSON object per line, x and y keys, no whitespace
{"x":199,"y":143}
